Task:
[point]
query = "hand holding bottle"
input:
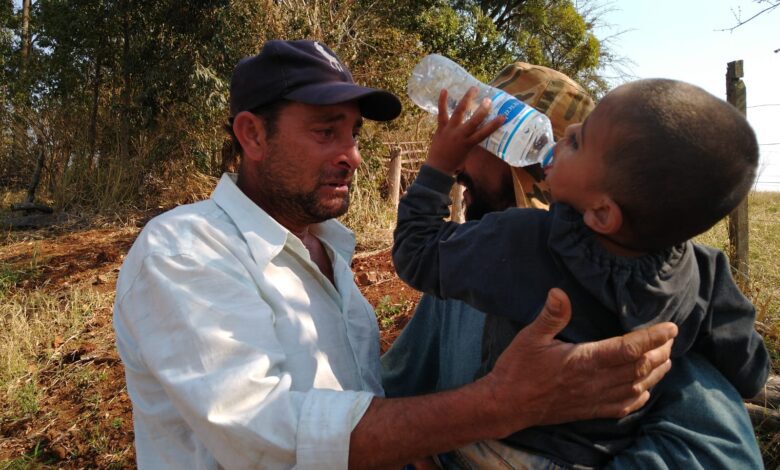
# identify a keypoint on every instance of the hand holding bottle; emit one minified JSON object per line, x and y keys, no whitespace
{"x":454,"y":137}
{"x":527,"y":137}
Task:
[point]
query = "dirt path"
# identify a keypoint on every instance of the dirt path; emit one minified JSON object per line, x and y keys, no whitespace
{"x":83,"y":417}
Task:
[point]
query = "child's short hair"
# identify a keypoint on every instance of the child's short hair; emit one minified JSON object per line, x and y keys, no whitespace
{"x":684,"y":160}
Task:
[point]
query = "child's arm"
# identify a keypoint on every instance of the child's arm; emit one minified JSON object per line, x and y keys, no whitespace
{"x":477,"y":262}
{"x":454,"y":138}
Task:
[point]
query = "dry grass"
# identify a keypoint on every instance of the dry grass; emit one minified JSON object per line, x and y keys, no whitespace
{"x":763,"y":288}
{"x":34,"y":324}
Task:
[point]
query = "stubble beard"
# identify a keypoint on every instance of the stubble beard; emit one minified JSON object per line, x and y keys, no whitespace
{"x":277,"y":180}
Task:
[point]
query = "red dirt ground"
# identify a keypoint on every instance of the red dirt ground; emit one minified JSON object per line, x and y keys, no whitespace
{"x":84,"y":415}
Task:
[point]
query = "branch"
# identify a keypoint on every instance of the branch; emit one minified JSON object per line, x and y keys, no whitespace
{"x":771,"y":6}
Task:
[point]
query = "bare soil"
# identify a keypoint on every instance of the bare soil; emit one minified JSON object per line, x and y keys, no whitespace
{"x":84,"y":417}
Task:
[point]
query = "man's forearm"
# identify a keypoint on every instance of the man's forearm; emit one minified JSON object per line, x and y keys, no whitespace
{"x":394,"y":432}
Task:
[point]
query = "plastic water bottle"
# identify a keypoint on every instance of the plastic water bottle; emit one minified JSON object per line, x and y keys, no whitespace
{"x":525,"y":138}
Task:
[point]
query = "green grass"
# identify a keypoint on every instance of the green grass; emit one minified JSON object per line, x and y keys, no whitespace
{"x":387,"y":311}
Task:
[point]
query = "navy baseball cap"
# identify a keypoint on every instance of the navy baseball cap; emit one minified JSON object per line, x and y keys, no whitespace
{"x":306,"y":72}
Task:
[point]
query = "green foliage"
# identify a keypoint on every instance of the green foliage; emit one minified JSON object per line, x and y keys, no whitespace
{"x":116,"y":91}
{"x":545,"y":32}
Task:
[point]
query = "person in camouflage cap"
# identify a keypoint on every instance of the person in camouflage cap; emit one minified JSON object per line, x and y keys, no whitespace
{"x":562,"y":99}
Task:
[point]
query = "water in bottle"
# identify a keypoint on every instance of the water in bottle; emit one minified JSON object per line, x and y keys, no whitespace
{"x":525,"y":138}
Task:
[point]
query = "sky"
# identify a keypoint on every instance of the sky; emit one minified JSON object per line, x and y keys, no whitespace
{"x":681,"y":39}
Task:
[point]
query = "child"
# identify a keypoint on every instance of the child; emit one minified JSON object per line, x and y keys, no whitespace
{"x":620,"y":252}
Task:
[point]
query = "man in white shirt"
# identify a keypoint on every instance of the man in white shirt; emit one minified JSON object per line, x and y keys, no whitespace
{"x":247,"y":344}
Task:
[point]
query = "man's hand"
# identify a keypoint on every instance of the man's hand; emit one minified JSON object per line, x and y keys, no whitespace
{"x":537,"y":380}
{"x":541,"y":380}
{"x":454,"y":138}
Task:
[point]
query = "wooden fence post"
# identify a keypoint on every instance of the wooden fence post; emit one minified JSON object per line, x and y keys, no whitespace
{"x":738,"y":219}
{"x":456,"y":210}
{"x":394,"y":175}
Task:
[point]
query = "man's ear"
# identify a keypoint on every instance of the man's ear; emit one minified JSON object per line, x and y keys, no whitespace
{"x":250,"y":132}
{"x":605,"y":217}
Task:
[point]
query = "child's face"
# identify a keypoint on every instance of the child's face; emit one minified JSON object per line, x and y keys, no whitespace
{"x":575,"y":174}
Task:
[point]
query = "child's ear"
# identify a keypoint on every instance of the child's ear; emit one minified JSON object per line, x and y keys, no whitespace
{"x":250,"y":132}
{"x":604,"y":218}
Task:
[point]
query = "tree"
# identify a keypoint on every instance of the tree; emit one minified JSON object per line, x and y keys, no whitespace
{"x":119,"y":90}
{"x":485,"y":35}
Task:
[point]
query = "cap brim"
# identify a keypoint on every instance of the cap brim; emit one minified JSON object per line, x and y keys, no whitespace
{"x":377,"y":105}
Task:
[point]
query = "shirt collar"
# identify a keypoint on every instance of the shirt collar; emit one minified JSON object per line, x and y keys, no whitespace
{"x":266,"y":237}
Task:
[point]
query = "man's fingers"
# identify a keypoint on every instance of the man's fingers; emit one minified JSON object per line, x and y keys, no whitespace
{"x":553,"y":318}
{"x":654,"y":358}
{"x":631,"y":347}
{"x":623,"y":408}
{"x":651,"y":380}
{"x":630,"y":397}
{"x":620,"y":399}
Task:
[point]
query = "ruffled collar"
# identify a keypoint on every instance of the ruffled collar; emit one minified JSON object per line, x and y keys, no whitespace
{"x":653,"y":288}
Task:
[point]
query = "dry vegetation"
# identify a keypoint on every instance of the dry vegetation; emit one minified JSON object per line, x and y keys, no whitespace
{"x":62,"y":398}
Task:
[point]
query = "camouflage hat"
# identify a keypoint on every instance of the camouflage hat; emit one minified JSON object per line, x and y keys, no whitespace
{"x":562,"y":99}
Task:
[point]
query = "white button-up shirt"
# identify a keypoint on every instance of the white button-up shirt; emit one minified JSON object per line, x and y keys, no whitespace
{"x":238,"y":351}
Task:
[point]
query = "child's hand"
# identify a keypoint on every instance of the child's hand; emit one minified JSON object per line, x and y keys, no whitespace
{"x":454,"y":138}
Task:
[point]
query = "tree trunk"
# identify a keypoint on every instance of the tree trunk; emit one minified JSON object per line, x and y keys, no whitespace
{"x":394,"y":175}
{"x":36,"y":178}
{"x":94,"y":112}
{"x":739,"y":222}
{"x":456,"y":210}
{"x":25,"y":34}
{"x":124,"y":128}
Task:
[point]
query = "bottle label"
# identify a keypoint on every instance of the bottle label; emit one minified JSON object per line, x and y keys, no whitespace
{"x":511,"y":108}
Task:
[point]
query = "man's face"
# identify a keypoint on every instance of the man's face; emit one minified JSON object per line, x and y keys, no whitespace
{"x":488,"y":183}
{"x":306,"y":172}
